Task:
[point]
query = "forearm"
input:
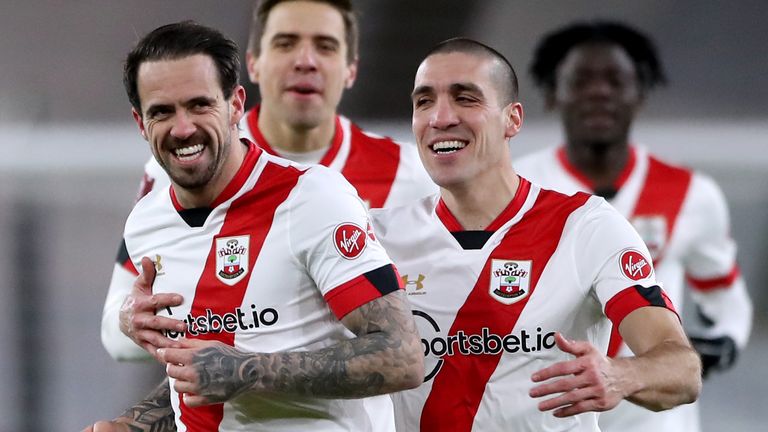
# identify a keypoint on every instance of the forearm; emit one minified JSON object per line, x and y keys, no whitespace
{"x":119,"y":346}
{"x":385,"y":357}
{"x":663,"y":377}
{"x":153,"y":414}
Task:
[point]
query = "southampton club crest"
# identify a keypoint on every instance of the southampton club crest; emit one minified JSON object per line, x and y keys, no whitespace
{"x":232,"y":258}
{"x":510,"y":280}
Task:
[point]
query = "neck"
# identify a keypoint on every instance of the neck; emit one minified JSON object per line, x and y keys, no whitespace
{"x":600,"y":163}
{"x":283,"y":136}
{"x":205,"y":195}
{"x":476,"y":206}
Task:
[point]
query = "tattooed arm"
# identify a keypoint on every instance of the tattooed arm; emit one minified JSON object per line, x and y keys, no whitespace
{"x":153,"y":414}
{"x":385,"y":357}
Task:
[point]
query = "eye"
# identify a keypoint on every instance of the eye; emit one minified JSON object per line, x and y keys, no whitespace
{"x":327,"y":46}
{"x":159,"y":113}
{"x":420,"y":102}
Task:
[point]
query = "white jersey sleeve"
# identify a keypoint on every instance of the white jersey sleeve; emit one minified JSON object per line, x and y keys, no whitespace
{"x":119,"y":346}
{"x":710,"y":264}
{"x":331,"y":237}
{"x":617,"y":263}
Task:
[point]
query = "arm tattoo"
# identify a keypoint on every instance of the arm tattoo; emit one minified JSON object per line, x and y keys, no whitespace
{"x":385,"y":356}
{"x":153,"y":414}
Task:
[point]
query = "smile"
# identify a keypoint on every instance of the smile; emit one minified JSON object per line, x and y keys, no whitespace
{"x":446,"y":147}
{"x":188,"y":153}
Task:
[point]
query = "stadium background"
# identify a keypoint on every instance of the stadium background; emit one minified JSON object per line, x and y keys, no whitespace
{"x":71,"y":159}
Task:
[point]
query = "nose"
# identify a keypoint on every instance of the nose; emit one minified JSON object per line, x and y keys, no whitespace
{"x":598,"y":87}
{"x":306,"y":58}
{"x":183,"y":126}
{"x":443,"y":115}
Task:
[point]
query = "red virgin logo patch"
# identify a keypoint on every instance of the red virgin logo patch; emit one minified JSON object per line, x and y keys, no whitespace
{"x":634,"y":265}
{"x":350,"y":240}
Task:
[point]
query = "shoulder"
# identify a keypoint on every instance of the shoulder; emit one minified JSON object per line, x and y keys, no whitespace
{"x":526,"y":164}
{"x":369,"y":141}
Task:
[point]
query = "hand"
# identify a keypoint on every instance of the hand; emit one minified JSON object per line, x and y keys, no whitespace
{"x":137,"y":313}
{"x":717,"y":354}
{"x":205,"y":371}
{"x":588,"y":383}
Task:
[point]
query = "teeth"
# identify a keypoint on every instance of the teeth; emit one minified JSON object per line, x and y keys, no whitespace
{"x":188,"y":152}
{"x":448,"y":146}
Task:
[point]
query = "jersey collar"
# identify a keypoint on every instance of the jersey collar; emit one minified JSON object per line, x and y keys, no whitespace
{"x":514,"y":206}
{"x":562,"y":158}
{"x":326,"y":160}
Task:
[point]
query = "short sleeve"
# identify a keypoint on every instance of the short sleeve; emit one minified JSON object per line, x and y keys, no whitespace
{"x":331,"y":236}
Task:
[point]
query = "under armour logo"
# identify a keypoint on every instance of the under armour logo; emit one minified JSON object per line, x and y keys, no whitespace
{"x":418,"y":282}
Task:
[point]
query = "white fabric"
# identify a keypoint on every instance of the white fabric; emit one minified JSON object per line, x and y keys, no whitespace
{"x":569,"y":297}
{"x":297,"y":265}
{"x":700,"y":246}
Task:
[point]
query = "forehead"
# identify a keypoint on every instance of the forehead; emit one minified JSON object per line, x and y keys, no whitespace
{"x":163,"y":81}
{"x":596,"y":57}
{"x":304,"y":17}
{"x":441,"y":71}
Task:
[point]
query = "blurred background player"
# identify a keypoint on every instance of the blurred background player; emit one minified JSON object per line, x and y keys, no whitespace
{"x":303,"y":55}
{"x":597,"y":75}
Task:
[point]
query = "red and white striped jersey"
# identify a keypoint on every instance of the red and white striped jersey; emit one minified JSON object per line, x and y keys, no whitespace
{"x":273,"y":265}
{"x":385,"y":173}
{"x":683,"y":219}
{"x":487,"y":316}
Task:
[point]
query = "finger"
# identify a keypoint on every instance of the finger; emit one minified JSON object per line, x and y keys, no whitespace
{"x":158,"y":323}
{"x":175,"y":355}
{"x":570,"y":367}
{"x":577,"y":348}
{"x":185,"y":376}
{"x":566,"y":399}
{"x":192,"y":401}
{"x":559,"y":386}
{"x":147,"y":277}
{"x":579,"y":408}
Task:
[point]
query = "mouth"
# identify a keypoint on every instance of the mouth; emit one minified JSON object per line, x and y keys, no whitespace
{"x":304,"y":90}
{"x":188,"y":153}
{"x":447,"y":147}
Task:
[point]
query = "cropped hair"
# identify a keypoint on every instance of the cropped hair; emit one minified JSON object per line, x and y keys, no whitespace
{"x":556,"y":45}
{"x":179,"y":40}
{"x":344,"y":7}
{"x":508,"y":87}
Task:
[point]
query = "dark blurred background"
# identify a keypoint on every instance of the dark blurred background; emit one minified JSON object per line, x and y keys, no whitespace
{"x":70,"y":161}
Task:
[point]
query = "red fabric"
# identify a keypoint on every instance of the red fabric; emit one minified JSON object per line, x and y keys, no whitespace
{"x":514,"y":206}
{"x":371,"y":166}
{"x":259,"y":206}
{"x":449,"y":408}
{"x":621,"y":305}
{"x":715,"y":283}
{"x":352,"y":294}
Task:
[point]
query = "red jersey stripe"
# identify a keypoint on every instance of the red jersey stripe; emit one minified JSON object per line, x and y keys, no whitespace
{"x":371,"y":170}
{"x":452,"y":224}
{"x":251,"y":214}
{"x":715,"y":283}
{"x":534,"y":238}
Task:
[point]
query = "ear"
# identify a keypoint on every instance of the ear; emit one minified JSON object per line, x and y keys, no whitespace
{"x":513,"y":117}
{"x":237,"y":101}
{"x":351,"y":74}
{"x":252,"y":64}
{"x":139,"y":121}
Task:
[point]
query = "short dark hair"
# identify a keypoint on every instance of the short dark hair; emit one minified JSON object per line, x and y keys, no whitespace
{"x":556,"y":45}
{"x":345,"y":8}
{"x":507,"y":83}
{"x":183,"y":39}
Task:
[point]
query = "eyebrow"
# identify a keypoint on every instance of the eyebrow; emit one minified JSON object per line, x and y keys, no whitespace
{"x":454,"y":89}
